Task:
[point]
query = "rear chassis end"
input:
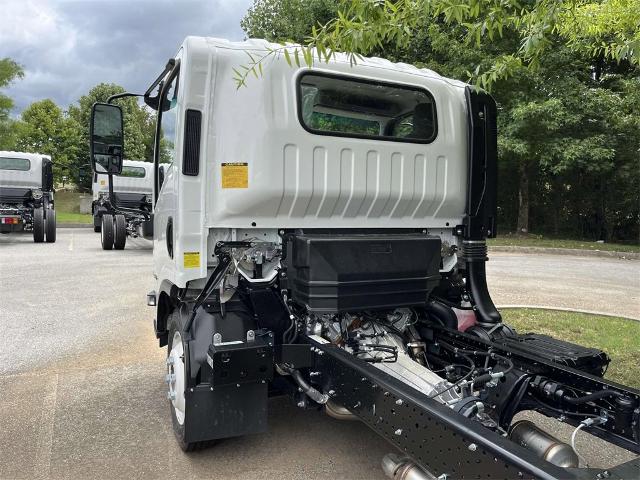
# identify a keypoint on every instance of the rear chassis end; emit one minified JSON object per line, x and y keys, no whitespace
{"x":17,"y":206}
{"x":135,"y":207}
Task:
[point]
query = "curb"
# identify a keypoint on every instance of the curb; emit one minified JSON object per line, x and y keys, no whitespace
{"x":74,"y":225}
{"x":565,"y":251}
{"x":565,"y":309}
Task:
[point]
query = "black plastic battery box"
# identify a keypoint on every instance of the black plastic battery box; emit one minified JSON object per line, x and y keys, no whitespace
{"x":353,"y":272}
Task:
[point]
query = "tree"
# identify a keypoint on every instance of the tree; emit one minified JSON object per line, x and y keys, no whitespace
{"x":44,"y":128}
{"x":607,"y":28}
{"x":139,"y":125}
{"x":9,"y":72}
{"x":287,"y":20}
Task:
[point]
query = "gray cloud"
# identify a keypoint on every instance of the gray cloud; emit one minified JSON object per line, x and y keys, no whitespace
{"x":68,"y":46}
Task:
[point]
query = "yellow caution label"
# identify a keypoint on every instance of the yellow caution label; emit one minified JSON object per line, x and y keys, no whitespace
{"x":191,"y":259}
{"x":235,"y":175}
{"x":103,"y":182}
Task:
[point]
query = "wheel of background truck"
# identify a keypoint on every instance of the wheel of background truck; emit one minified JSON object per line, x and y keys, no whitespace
{"x":106,"y":235}
{"x":176,"y":381}
{"x":120,"y":234}
{"x":50,"y":225}
{"x":97,"y":227}
{"x":38,"y":225}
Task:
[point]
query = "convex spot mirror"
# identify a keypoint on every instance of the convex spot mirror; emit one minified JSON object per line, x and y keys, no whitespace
{"x":107,"y":138}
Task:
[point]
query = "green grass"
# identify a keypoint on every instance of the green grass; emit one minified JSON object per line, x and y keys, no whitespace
{"x":618,"y":337}
{"x":534,"y":241}
{"x":68,"y":202}
{"x":68,"y":208}
{"x":65,"y":217}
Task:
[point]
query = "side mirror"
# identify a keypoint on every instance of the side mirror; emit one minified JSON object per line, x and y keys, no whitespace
{"x":106,"y":138}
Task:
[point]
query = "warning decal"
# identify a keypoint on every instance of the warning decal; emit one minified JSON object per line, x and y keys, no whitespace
{"x":103,"y":183}
{"x":191,"y":259}
{"x":235,"y":175}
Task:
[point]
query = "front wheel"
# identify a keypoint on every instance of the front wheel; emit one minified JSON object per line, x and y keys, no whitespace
{"x":120,"y":234}
{"x":50,"y":225}
{"x":177,"y":358}
{"x":38,"y":225}
{"x":106,"y":234}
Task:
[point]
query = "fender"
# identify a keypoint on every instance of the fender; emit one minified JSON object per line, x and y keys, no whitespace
{"x":166,"y":304}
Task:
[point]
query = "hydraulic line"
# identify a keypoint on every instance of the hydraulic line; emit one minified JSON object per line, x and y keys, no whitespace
{"x":305,"y":387}
{"x":591,"y":397}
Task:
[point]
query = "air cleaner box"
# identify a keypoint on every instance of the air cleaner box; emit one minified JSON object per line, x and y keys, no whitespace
{"x":339,"y":273}
{"x":590,"y":360}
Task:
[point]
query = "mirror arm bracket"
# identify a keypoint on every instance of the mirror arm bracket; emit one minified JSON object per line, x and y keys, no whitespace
{"x":123,"y":95}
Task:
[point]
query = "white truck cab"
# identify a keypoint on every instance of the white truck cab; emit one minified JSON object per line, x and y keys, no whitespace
{"x":321,"y":233}
{"x":136,"y":178}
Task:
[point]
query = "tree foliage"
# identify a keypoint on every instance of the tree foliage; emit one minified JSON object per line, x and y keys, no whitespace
{"x":273,"y":19}
{"x":45,"y":128}
{"x":139,"y":124}
{"x":607,"y":28}
{"x":9,"y":72}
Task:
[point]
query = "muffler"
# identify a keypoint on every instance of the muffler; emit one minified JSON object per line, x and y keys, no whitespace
{"x":403,"y":468}
{"x":544,"y":445}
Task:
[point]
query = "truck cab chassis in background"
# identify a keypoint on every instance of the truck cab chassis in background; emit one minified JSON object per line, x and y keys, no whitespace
{"x":321,"y":233}
{"x":26,"y":195}
{"x":121,"y":204}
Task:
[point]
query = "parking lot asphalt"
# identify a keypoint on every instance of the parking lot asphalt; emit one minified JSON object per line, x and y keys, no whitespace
{"x":609,"y":285}
{"x":81,"y":380}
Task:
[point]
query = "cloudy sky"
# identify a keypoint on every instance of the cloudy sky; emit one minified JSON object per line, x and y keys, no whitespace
{"x":68,"y":46}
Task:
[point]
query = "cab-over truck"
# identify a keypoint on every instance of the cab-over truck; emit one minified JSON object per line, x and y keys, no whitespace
{"x":321,"y":233}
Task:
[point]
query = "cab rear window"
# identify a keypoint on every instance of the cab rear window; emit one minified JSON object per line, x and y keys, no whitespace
{"x":136,"y":172}
{"x":337,"y":105}
{"x":22,"y":164}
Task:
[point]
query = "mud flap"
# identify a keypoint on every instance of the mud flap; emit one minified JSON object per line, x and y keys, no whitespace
{"x":225,"y":411}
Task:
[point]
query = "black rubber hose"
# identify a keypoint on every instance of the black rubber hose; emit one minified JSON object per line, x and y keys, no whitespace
{"x":592,"y":396}
{"x":477,"y":283}
{"x":443,"y":313}
{"x":306,"y":388}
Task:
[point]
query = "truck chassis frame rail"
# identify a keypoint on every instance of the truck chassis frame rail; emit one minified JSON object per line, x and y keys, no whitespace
{"x":440,"y":441}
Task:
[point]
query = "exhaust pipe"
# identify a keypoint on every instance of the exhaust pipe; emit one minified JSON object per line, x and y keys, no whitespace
{"x":403,"y":468}
{"x":338,"y":412}
{"x":544,"y":445}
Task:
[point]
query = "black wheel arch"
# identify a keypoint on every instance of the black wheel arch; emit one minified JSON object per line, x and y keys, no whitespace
{"x":167,"y":302}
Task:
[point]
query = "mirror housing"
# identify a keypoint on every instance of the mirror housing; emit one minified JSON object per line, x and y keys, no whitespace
{"x":106,"y":138}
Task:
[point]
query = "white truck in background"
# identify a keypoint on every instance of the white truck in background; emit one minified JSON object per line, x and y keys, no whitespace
{"x":26,"y":195}
{"x":132,"y":195}
{"x":321,"y":233}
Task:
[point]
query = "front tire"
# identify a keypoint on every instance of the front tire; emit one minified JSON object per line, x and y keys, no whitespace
{"x":97,"y":224}
{"x":50,"y":225}
{"x":38,"y":225}
{"x":120,"y":238}
{"x":177,"y":358}
{"x":106,"y":234}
